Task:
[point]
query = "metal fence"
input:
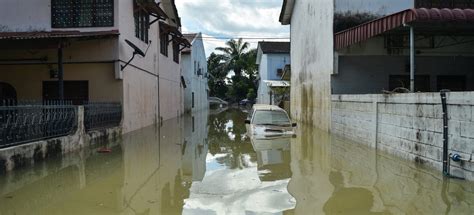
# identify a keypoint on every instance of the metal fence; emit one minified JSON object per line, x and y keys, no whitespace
{"x":28,"y":121}
{"x":99,"y":115}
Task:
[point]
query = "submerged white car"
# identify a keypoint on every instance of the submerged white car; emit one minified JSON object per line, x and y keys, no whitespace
{"x":266,"y":121}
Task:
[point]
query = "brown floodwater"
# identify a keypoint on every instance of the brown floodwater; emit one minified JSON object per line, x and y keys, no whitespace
{"x":204,"y":164}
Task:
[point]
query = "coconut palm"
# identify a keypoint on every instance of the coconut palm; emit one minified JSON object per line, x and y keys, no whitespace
{"x":233,"y":56}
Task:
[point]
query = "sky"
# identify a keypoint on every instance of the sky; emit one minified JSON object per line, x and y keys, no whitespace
{"x":219,"y":20}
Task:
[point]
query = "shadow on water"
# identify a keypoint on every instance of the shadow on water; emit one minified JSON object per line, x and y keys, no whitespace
{"x":205,"y":164}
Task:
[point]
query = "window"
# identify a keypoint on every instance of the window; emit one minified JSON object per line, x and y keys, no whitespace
{"x":193,"y":99}
{"x":264,"y":117}
{"x":142,"y":25}
{"x":175,"y":51}
{"x":280,"y":72}
{"x":82,"y":13}
{"x":422,"y":82}
{"x":451,"y":82}
{"x":164,"y":44}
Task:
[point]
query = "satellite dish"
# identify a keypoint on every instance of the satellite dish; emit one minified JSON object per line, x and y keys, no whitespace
{"x":136,"y":51}
{"x":135,"y":48}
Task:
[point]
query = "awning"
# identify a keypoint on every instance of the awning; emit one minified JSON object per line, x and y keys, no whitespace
{"x":271,"y":83}
{"x":431,"y":17}
{"x":176,"y":34}
{"x":56,"y":34}
{"x":152,"y":9}
{"x":169,"y":29}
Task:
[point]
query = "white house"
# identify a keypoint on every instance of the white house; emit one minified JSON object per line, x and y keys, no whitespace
{"x":377,"y":80}
{"x":194,"y":68}
{"x":272,"y":58}
{"x":83,"y":48}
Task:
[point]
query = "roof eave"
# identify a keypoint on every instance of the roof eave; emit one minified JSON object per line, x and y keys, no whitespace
{"x":286,"y":12}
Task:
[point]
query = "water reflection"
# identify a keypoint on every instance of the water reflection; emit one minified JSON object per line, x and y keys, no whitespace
{"x":332,"y":176}
{"x":206,"y":165}
{"x":148,"y":172}
{"x":242,"y":175}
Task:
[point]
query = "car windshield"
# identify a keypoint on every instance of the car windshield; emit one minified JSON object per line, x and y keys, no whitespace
{"x":268,"y":117}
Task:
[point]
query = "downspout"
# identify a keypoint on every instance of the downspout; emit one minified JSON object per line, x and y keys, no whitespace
{"x":412,"y":59}
{"x":446,"y":170}
{"x":447,"y":157}
{"x":60,"y":72}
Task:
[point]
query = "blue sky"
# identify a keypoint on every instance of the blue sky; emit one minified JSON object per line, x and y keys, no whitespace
{"x":232,"y":19}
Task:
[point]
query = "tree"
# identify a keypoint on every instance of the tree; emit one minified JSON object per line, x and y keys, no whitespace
{"x":233,"y":56}
{"x":217,"y":76}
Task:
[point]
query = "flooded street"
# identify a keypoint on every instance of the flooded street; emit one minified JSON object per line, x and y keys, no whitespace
{"x":205,"y":164}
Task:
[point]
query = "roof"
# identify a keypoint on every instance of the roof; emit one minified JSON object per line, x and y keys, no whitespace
{"x":286,"y":11}
{"x":56,"y":34}
{"x":272,"y":83}
{"x":190,"y":38}
{"x":275,"y":47}
{"x":266,"y":107}
{"x":430,"y":17}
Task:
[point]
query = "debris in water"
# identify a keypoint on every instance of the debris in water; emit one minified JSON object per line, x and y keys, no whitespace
{"x":104,"y":150}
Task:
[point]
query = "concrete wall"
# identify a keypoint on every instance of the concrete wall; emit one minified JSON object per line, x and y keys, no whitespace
{"x":16,"y":157}
{"x":312,"y":61}
{"x":36,"y":16}
{"x":198,"y":85}
{"x":370,"y":74}
{"x":379,"y":7}
{"x":140,"y":79}
{"x":100,"y":72}
{"x":170,"y":88}
{"x":408,"y":125}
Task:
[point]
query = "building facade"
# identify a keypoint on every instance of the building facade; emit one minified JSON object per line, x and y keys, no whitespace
{"x":194,"y":67}
{"x":272,"y":58}
{"x":385,"y":65}
{"x":84,"y":50}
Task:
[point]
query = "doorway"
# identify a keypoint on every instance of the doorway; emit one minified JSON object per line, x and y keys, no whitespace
{"x":75,"y":91}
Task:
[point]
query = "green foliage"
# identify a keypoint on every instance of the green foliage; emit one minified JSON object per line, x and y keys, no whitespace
{"x":343,"y":21}
{"x":233,"y":58}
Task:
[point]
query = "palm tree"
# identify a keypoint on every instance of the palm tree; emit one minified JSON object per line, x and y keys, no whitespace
{"x":233,"y":55}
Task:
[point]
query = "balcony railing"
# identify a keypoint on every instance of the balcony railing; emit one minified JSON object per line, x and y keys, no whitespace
{"x":444,"y":4}
{"x":22,"y":122}
{"x":28,"y":121}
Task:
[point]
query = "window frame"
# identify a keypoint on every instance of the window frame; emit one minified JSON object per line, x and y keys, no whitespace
{"x":76,"y":15}
{"x":176,"y":52}
{"x":142,"y":24}
{"x":164,"y":49}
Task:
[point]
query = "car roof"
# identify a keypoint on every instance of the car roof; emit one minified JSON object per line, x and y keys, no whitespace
{"x":266,"y":107}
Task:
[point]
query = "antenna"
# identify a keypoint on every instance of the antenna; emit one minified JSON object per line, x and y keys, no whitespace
{"x":136,"y":51}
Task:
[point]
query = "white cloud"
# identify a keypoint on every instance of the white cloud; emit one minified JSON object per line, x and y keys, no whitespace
{"x":232,"y":19}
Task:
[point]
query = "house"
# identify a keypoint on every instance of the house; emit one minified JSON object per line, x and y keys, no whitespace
{"x":194,"y":67}
{"x":86,"y":51}
{"x":376,"y":79}
{"x":272,"y":58}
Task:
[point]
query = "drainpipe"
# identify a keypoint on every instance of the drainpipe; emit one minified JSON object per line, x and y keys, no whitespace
{"x":445,"y":133}
{"x":412,"y":59}
{"x":60,"y":72}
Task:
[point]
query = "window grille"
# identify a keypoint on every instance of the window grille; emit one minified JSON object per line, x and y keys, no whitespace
{"x":82,"y":13}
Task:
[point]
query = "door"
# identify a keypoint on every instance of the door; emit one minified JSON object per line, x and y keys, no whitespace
{"x":7,"y":93}
{"x":75,"y":91}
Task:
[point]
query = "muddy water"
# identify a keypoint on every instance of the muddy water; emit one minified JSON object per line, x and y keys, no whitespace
{"x":206,"y":165}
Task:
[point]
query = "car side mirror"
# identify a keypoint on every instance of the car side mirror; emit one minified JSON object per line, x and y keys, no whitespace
{"x":247,"y":121}
{"x":294,"y":125}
